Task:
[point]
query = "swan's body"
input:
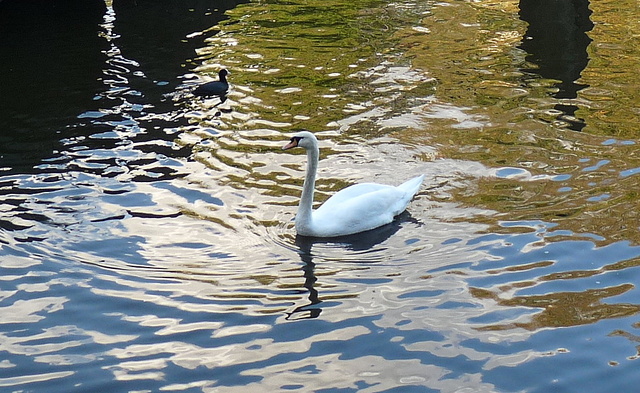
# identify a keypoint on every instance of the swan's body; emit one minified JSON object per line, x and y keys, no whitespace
{"x":216,"y":88}
{"x":357,"y":208}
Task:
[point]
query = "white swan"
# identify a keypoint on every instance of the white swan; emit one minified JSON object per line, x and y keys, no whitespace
{"x":357,"y":208}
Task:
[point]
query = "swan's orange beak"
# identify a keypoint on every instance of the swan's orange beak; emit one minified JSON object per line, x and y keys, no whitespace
{"x":293,"y":143}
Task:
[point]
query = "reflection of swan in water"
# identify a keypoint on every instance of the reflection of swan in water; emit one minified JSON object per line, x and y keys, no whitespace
{"x":358,"y":242}
{"x":355,"y":209}
{"x":361,"y":242}
{"x":309,"y":281}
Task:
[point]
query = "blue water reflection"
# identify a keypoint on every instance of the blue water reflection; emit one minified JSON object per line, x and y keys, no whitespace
{"x":147,"y":242}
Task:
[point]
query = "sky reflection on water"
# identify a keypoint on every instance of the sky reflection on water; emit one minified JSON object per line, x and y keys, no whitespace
{"x":148,"y":243}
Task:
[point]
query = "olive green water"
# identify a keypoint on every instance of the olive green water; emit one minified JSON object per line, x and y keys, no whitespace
{"x":147,"y":236}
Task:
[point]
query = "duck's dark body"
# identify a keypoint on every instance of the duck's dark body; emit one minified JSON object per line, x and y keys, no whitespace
{"x":217,"y":88}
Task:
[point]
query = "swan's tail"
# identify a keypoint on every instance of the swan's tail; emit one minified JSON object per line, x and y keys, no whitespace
{"x":411,"y":187}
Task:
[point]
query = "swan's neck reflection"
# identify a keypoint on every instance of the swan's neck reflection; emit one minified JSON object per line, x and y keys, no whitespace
{"x":358,"y":243}
{"x":309,"y":310}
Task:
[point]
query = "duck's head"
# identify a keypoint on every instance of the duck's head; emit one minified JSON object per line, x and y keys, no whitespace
{"x":223,"y":73}
{"x":303,"y":139}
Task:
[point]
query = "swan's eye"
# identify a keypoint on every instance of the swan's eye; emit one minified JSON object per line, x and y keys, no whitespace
{"x":296,"y":140}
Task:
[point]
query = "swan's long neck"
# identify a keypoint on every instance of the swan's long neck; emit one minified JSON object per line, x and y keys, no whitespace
{"x":303,"y":218}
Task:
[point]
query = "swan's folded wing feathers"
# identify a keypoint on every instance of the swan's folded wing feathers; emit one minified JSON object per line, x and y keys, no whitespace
{"x":351,"y":192}
{"x":360,"y":212}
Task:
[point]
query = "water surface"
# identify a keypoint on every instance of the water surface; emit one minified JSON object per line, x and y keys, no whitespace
{"x":147,"y":236}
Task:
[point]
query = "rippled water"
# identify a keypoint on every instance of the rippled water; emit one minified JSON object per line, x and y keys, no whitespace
{"x":147,"y":241}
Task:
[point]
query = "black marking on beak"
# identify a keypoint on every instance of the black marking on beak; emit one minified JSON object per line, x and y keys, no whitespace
{"x":293,"y":143}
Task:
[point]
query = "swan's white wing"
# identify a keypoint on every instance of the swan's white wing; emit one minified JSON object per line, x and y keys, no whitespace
{"x":359,"y":208}
{"x":352,"y":192}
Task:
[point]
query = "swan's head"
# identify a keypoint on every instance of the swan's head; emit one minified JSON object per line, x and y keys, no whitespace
{"x":302,"y":139}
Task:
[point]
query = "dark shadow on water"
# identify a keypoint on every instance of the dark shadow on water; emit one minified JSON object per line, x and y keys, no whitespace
{"x":359,"y":242}
{"x":62,"y":71}
{"x":556,"y":42}
{"x":49,"y":73}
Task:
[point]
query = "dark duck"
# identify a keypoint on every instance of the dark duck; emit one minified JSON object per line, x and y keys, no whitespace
{"x":217,"y":88}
